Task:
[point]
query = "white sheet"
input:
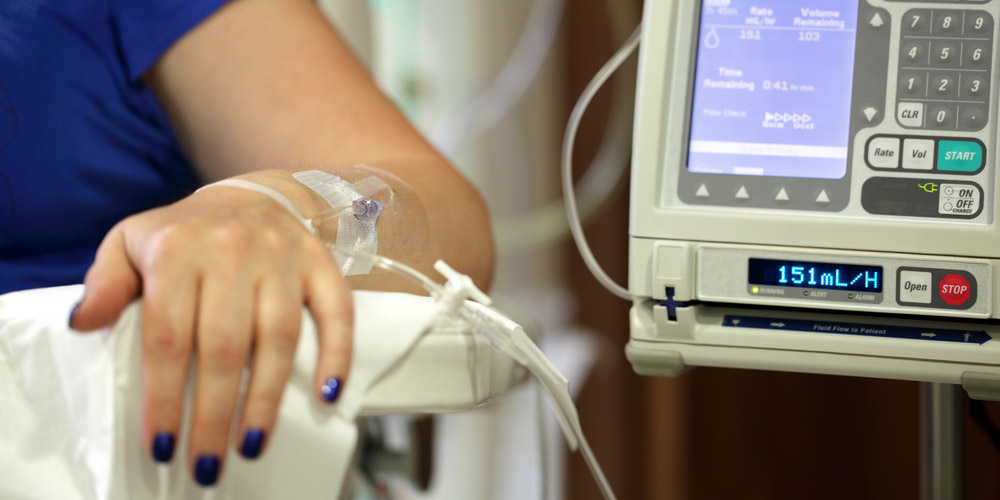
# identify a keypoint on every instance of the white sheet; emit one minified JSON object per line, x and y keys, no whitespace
{"x":69,"y":413}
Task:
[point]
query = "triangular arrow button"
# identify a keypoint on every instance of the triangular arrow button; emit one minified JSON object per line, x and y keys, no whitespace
{"x":742,"y":194}
{"x":782,"y":195}
{"x":877,"y":21}
{"x":702,"y":192}
{"x":822,"y":198}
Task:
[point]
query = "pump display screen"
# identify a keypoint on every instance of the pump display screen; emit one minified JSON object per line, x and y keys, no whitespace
{"x":849,"y":277}
{"x":772,"y":88}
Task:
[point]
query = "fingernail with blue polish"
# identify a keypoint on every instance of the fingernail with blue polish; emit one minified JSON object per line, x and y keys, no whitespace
{"x":206,"y":470}
{"x":163,"y":447}
{"x":331,"y":389}
{"x":72,"y":313}
{"x":253,"y":443}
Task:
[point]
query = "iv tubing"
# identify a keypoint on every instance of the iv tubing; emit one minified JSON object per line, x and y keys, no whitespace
{"x":472,"y":118}
{"x":390,"y":265}
{"x":517,"y":346}
{"x":569,"y":139}
{"x":332,"y":213}
{"x":548,"y":223}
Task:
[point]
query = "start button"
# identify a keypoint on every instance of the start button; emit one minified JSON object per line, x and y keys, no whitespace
{"x":954,"y":289}
{"x":960,"y":156}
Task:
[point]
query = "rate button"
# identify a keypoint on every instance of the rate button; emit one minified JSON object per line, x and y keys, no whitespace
{"x":883,"y":152}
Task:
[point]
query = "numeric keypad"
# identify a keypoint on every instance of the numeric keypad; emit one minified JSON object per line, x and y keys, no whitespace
{"x":944,"y":69}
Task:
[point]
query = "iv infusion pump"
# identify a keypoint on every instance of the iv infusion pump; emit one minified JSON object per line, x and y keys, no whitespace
{"x":814,"y":189}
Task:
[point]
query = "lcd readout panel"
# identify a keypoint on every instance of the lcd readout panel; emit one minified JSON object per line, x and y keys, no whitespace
{"x":824,"y":275}
{"x":772,"y":88}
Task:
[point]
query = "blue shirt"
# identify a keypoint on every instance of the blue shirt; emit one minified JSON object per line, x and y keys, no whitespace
{"x":83,"y":143}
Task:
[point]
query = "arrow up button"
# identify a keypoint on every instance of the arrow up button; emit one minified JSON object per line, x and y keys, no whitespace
{"x":876,"y":21}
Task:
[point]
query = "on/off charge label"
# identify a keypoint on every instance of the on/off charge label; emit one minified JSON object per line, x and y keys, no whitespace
{"x":959,"y":199}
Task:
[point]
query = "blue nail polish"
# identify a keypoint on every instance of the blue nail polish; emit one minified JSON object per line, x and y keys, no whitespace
{"x":72,"y":313}
{"x":253,"y":443}
{"x":163,"y":447}
{"x":331,"y":389}
{"x":206,"y":470}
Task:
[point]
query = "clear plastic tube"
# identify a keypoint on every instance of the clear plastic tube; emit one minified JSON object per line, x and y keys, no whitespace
{"x":473,"y":117}
{"x":332,"y":213}
{"x":548,"y":224}
{"x":569,"y":139}
{"x":508,"y":338}
{"x":390,"y":265}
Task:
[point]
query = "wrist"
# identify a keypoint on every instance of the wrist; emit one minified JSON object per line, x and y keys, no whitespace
{"x":305,"y":200}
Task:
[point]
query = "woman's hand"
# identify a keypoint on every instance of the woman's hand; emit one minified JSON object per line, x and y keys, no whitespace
{"x":220,"y":273}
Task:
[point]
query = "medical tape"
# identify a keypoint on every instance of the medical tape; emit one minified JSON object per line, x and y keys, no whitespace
{"x":357,"y":234}
{"x":271,"y":193}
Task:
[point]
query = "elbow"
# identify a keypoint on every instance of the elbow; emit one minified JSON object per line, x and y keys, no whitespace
{"x":480,"y":246}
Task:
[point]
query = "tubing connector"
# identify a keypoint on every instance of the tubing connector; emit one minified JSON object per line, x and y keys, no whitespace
{"x":457,"y":289}
{"x":366,"y":208}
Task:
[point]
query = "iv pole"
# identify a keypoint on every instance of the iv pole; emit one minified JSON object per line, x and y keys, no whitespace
{"x":941,"y":447}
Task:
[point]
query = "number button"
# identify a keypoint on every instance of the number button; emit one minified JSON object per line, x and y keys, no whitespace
{"x":973,"y":118}
{"x":944,"y":86}
{"x":942,"y":117}
{"x":976,"y":54}
{"x":979,"y":23}
{"x":947,"y":22}
{"x":911,"y":84}
{"x":943,"y":54}
{"x":975,"y":86}
{"x":915,"y":22}
{"x":914,"y":53}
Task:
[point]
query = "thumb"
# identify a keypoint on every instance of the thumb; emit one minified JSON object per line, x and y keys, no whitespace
{"x":110,"y":285}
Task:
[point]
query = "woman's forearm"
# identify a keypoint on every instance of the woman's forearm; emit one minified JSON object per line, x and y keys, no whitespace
{"x":421,"y":221}
{"x":266,"y":84}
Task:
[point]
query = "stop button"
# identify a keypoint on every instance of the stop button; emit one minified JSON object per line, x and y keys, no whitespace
{"x":954,"y":289}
